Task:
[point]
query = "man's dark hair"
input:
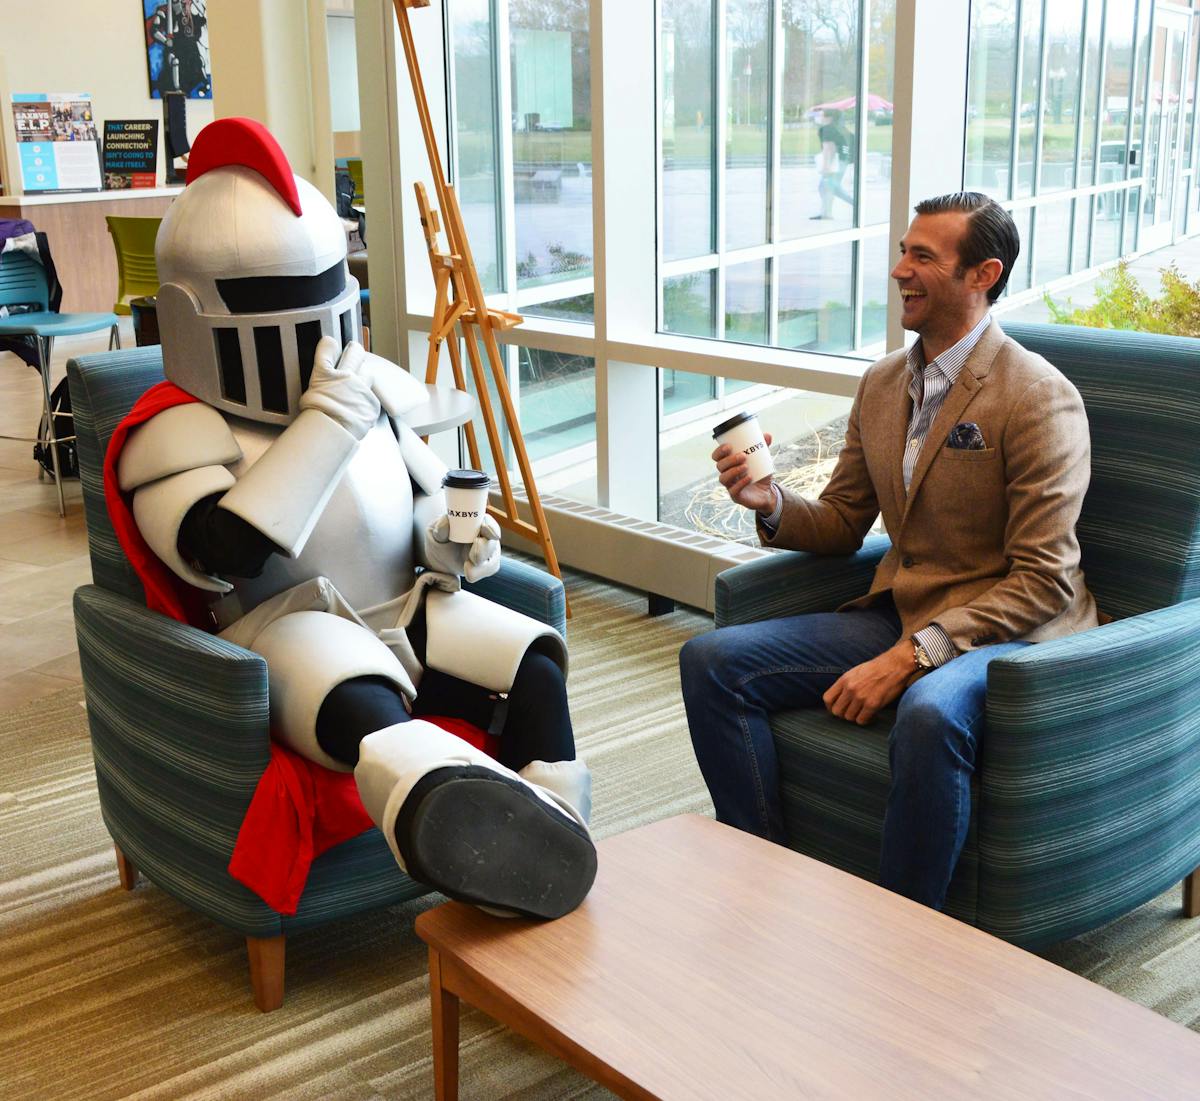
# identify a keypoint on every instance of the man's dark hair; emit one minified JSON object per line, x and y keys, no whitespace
{"x":833,"y":114}
{"x":991,"y":232}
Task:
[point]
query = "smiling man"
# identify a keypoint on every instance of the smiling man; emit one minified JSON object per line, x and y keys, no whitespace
{"x":977,"y":454}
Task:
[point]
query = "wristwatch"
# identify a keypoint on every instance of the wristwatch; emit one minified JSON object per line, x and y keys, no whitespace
{"x":921,"y":658}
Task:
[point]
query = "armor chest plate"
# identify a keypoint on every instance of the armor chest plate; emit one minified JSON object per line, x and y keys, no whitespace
{"x":363,"y":541}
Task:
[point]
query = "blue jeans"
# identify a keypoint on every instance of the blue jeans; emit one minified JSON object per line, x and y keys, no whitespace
{"x":736,"y":677}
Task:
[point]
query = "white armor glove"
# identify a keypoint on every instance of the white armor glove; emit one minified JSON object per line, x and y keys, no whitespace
{"x":396,"y":389}
{"x":475,"y":560}
{"x":339,"y":389}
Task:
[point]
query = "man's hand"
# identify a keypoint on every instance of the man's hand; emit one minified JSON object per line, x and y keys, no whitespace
{"x":735,"y":477}
{"x":860,"y":693}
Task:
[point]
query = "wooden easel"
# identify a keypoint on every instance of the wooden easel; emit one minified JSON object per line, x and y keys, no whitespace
{"x":459,"y":302}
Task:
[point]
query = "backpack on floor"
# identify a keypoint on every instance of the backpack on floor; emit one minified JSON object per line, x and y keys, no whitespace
{"x":64,"y":423}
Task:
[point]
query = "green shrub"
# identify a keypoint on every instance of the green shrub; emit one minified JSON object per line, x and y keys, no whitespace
{"x":1122,"y":303}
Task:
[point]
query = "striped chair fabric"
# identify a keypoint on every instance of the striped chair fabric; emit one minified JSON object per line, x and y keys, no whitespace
{"x":1087,"y":800}
{"x":178,"y":717}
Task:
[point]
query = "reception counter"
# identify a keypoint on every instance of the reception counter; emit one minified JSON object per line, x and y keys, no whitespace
{"x":79,"y":242}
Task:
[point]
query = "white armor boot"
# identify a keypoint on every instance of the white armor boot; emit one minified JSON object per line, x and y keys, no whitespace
{"x":568,"y":782}
{"x":471,"y":828}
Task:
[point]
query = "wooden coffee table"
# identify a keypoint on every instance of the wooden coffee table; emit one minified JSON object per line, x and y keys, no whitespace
{"x":709,"y":964}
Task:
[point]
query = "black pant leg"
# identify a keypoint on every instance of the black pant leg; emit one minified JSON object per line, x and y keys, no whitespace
{"x":536,"y":723}
{"x":536,"y":720}
{"x":354,"y":709}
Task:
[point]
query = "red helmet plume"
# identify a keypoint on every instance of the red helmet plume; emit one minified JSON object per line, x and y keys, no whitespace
{"x":245,"y":142}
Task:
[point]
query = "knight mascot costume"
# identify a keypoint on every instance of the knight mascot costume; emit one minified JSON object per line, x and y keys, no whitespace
{"x":285,"y":489}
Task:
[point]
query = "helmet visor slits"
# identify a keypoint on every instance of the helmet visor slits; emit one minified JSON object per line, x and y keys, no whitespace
{"x":272,"y":381}
{"x":308,"y":334}
{"x":229,"y":358}
{"x":272,"y":293}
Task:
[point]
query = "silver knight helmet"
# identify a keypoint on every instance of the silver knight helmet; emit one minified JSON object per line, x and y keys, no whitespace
{"x":252,"y":269}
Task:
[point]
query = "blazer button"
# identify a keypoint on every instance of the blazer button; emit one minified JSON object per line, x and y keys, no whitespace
{"x":906,"y":561}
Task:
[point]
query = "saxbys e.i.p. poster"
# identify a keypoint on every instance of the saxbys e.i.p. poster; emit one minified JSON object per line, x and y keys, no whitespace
{"x":57,"y":141}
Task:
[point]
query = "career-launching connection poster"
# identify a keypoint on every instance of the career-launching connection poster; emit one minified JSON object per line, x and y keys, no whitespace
{"x":58,"y":145}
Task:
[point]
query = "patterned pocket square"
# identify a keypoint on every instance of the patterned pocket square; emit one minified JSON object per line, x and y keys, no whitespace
{"x":966,"y":437}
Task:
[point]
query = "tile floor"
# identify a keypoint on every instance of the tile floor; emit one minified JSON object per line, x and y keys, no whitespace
{"x":43,"y":557}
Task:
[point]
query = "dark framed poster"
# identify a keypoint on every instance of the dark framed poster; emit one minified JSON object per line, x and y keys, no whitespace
{"x":130,"y":153}
{"x":177,"y":47}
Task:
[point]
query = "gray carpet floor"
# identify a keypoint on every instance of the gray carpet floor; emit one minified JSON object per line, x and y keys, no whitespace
{"x":108,"y":994}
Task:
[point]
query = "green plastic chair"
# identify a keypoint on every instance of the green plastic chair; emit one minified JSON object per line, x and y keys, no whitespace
{"x":137,"y":274}
{"x":354,"y":167}
{"x":23,"y":282}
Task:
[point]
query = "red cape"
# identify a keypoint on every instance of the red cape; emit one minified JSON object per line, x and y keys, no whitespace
{"x":299,"y":809}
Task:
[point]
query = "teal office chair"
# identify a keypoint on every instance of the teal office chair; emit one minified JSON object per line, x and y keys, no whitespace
{"x":23,"y":283}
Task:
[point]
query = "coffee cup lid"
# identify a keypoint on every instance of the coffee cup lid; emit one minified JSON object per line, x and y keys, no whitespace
{"x":733,"y":422}
{"x":466,"y":479}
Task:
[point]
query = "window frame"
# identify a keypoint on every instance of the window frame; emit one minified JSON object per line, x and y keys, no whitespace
{"x":623,"y":338}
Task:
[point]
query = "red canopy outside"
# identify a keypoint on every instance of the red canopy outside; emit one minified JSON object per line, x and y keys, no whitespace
{"x":874,"y":103}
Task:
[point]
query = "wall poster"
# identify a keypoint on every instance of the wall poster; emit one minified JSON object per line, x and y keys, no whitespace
{"x":177,"y":47}
{"x":58,"y":147}
{"x":130,"y":153}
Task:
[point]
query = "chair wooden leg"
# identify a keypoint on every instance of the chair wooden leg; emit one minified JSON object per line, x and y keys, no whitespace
{"x":1191,"y":894}
{"x":126,"y":870}
{"x":266,"y":971}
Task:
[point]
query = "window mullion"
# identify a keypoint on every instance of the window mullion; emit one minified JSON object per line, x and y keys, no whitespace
{"x":660,"y":318}
{"x":1014,"y":148}
{"x":720,"y":138}
{"x":774,"y":168}
{"x":860,"y":138}
{"x":1079,"y":94}
{"x":1039,"y":126}
{"x":506,"y":185}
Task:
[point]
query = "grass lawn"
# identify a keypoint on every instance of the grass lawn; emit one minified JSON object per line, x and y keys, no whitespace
{"x":989,"y":136}
{"x":687,"y":143}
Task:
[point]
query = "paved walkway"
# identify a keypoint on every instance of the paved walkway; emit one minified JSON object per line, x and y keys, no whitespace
{"x":1146,"y":269}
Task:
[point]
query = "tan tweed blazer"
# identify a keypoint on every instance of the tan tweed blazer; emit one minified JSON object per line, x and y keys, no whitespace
{"x":984,"y":542}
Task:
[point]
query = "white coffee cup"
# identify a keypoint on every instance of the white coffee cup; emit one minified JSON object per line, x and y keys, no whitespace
{"x":743,"y":433}
{"x":466,"y":502}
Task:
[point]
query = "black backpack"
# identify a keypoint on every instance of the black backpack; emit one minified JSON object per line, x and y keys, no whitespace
{"x":64,"y":423}
{"x":847,"y":147}
{"x":343,"y":190}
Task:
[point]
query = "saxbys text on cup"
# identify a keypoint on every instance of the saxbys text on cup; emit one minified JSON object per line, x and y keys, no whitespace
{"x":743,"y":433}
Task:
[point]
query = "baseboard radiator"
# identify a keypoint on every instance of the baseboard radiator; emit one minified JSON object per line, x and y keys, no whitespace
{"x":663,"y":560}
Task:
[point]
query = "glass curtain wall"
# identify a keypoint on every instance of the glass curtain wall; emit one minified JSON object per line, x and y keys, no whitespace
{"x":525,"y":186}
{"x":775,"y":125}
{"x":1105,"y":100}
{"x":775,"y":129}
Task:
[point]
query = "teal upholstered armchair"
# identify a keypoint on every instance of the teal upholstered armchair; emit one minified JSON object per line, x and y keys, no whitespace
{"x":1087,"y":800}
{"x":178,"y":719}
